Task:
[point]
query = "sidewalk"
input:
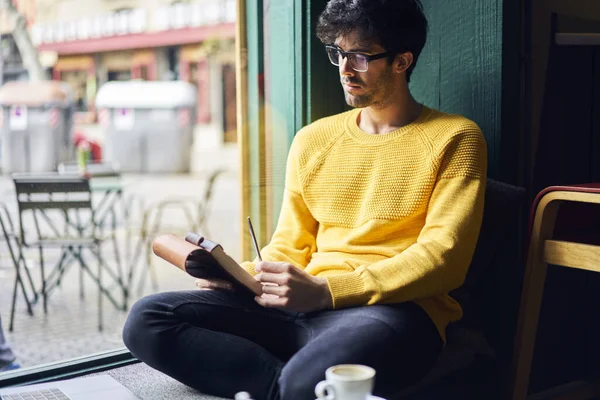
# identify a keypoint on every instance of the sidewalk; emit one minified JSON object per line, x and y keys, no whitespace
{"x":70,"y":327}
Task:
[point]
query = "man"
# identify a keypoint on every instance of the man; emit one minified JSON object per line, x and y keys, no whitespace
{"x":380,"y":217}
{"x":7,"y":357}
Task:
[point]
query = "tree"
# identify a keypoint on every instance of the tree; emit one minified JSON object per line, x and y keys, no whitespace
{"x":23,"y":41}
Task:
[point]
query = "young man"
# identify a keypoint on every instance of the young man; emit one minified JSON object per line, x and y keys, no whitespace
{"x":381,"y":214}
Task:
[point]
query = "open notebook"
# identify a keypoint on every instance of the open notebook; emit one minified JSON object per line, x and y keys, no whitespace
{"x":204,"y":259}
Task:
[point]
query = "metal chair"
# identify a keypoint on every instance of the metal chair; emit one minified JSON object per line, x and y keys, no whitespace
{"x":153,"y":223}
{"x":63,"y":217}
{"x":23,"y":279}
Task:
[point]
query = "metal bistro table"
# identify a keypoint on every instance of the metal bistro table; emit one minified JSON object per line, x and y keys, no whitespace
{"x":106,"y":181}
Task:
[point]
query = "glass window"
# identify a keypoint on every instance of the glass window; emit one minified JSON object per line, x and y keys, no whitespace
{"x":115,"y":148}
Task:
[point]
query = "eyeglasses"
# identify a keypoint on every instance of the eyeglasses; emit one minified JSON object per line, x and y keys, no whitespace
{"x":358,"y":61}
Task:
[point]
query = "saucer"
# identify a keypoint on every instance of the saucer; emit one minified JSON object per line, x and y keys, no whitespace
{"x":371,"y":397}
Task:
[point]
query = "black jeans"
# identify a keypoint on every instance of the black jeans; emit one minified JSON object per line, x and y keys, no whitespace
{"x":221,"y":343}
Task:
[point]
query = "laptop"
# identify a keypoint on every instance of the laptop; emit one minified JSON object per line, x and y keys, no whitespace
{"x":101,"y":387}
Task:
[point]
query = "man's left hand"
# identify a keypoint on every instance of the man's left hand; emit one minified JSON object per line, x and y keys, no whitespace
{"x":289,"y":287}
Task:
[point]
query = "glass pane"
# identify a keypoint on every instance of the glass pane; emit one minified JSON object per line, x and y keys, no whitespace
{"x":135,"y":138}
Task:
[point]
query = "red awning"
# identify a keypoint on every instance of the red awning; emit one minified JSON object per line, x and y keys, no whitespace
{"x":154,"y":39}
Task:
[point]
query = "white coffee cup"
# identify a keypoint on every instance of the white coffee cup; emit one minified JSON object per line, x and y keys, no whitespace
{"x":346,"y":382}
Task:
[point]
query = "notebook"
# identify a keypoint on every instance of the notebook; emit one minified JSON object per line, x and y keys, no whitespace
{"x":204,"y":259}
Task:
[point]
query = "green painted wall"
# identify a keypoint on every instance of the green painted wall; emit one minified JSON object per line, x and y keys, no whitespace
{"x":324,"y":95}
{"x":460,"y":69}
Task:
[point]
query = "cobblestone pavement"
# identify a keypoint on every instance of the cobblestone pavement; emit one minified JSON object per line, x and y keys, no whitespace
{"x":70,"y":328}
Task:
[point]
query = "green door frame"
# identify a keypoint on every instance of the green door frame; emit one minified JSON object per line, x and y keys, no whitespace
{"x":289,"y":84}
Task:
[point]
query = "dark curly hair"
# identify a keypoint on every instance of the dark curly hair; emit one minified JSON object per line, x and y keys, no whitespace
{"x":397,"y":25}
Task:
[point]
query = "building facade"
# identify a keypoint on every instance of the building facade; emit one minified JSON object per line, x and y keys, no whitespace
{"x":88,"y":43}
{"x":11,"y":64}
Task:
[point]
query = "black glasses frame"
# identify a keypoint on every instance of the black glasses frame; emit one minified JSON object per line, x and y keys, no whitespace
{"x":345,"y":54}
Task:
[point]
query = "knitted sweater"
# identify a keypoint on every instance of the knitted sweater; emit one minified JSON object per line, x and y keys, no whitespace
{"x":385,"y":218}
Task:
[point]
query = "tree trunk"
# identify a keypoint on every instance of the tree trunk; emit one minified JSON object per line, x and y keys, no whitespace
{"x":22,"y":39}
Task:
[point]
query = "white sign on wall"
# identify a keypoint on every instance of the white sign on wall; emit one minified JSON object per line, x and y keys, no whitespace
{"x":124,"y":119}
{"x":18,"y":118}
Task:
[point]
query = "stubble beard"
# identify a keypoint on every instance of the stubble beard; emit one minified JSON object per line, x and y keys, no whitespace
{"x":379,"y":96}
{"x":358,"y":101}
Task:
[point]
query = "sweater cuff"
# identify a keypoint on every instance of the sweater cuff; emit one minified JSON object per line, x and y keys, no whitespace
{"x":248,"y":266}
{"x":347,"y":290}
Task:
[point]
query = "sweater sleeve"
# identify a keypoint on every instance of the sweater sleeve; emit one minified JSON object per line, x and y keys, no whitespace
{"x":294,"y":240}
{"x":438,"y":261}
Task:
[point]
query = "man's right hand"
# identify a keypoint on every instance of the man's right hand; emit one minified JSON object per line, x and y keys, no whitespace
{"x":214,"y":284}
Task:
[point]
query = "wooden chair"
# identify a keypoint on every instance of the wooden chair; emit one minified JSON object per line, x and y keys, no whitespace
{"x":543,"y":250}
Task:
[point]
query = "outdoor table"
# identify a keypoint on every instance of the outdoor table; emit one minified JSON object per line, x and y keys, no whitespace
{"x":72,"y":227}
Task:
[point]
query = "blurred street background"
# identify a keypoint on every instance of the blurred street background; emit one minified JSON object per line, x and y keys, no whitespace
{"x":70,"y":328}
{"x":145,"y":89}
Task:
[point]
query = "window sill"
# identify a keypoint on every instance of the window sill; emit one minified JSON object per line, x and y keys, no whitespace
{"x":68,"y":369}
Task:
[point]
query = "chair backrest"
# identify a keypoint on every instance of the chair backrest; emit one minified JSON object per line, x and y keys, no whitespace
{"x":486,"y":294}
{"x":45,"y":193}
{"x":52,"y":192}
{"x":210,"y":184}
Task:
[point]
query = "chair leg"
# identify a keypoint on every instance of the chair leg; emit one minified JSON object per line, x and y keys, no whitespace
{"x":531,"y":299}
{"x":153,"y":276}
{"x":14,"y":303}
{"x":100,"y":296}
{"x":134,"y":260}
{"x":115,"y":245}
{"x":81,"y":291}
{"x":150,"y":270}
{"x":18,"y":283}
{"x":24,"y":290}
{"x":29,"y":279}
{"x":59,"y":269}
{"x":44,"y":292}
{"x":527,"y":329}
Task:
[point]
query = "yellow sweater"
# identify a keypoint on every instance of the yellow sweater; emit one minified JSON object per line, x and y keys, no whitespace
{"x":384,"y":218}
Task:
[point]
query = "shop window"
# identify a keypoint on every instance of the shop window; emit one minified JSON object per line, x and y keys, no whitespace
{"x":119,"y":75}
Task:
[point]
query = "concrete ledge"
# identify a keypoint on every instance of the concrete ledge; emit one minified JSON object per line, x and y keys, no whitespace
{"x":149,"y":384}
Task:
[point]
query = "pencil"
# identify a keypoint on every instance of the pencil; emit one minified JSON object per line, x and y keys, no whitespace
{"x":254,"y":239}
